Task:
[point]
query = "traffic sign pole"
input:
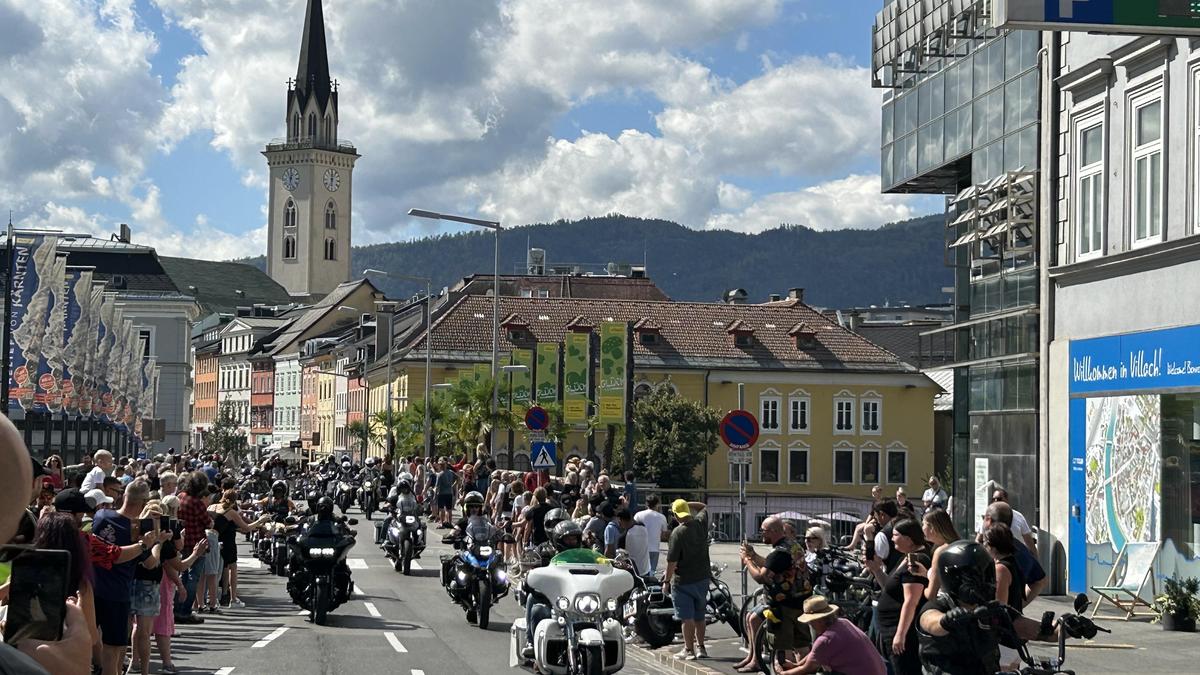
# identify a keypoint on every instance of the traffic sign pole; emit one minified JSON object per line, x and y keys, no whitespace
{"x":742,"y":491}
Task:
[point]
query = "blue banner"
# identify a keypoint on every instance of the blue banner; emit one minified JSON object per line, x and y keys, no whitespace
{"x":1149,"y":361}
{"x":32,"y":269}
{"x":79,"y":295}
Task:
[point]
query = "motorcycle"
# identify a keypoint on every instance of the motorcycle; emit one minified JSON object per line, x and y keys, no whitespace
{"x":368,"y":497}
{"x":476,"y":578}
{"x":652,"y":613}
{"x":344,"y":497}
{"x":1052,"y":665}
{"x":319,"y":579}
{"x":583,"y":635}
{"x":271,"y":547}
{"x":405,"y":536}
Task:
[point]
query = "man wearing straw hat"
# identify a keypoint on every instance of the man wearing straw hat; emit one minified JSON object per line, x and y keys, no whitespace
{"x":838,"y":645}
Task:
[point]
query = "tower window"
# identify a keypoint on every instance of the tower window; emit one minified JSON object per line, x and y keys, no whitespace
{"x":312,"y":125}
{"x":296,"y":125}
{"x":330,"y":216}
{"x":289,"y":247}
{"x":289,"y":214}
{"x":330,"y":249}
{"x":328,"y":127}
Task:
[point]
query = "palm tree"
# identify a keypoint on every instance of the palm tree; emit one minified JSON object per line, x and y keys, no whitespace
{"x":359,"y":431}
{"x":469,"y":418}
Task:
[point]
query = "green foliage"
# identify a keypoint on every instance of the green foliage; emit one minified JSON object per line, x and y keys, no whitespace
{"x":225,"y":438}
{"x":673,"y":436}
{"x":359,"y":432}
{"x":1180,"y":598}
{"x":898,"y":262}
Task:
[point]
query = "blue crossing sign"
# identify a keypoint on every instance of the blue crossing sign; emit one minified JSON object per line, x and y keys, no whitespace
{"x":544,"y":455}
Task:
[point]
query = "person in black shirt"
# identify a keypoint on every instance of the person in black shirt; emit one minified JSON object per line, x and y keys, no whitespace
{"x":902,"y":597}
{"x":535,"y":517}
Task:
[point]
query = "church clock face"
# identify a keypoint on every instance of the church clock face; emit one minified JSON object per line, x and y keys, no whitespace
{"x":291,"y":179}
{"x":332,"y":180}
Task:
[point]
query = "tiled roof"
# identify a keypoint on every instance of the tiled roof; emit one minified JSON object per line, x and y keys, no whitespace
{"x":309,"y":316}
{"x":216,"y":284}
{"x":691,"y":334}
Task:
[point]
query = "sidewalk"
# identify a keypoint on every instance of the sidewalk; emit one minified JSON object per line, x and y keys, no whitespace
{"x":1135,"y":646}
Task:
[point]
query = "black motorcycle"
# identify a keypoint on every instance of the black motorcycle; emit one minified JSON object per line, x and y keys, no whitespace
{"x":320,"y":578}
{"x":345,"y":494}
{"x":405,"y":535}
{"x":476,"y":577}
{"x":652,"y":613}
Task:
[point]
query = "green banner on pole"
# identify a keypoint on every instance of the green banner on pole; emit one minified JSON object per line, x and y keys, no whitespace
{"x":575,"y":377}
{"x":613,"y":355}
{"x":547,"y":372}
{"x":482,"y":371}
{"x":522,"y":380}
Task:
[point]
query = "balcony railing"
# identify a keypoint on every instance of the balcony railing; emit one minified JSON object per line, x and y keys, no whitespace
{"x":310,"y":143}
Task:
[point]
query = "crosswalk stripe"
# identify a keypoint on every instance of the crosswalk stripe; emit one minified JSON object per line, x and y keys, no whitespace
{"x":418,"y":672}
{"x":372,"y":610}
{"x":416,"y":565}
{"x":357,"y":590}
{"x":391,"y":638}
{"x":356,"y":563}
{"x":267,"y":640}
{"x":229,"y":669}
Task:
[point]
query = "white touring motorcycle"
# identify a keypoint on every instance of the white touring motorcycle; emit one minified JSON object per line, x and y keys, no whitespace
{"x":583,"y":635}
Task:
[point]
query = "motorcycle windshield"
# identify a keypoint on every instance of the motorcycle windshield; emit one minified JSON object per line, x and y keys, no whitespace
{"x":479,"y":530}
{"x":579,"y":556}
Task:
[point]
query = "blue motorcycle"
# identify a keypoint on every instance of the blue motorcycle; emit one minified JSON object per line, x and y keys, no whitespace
{"x":476,"y":577}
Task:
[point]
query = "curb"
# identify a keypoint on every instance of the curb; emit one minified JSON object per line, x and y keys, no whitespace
{"x":667,"y":660}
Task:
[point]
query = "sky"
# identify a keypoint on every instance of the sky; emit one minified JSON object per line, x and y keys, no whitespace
{"x":730,"y":114}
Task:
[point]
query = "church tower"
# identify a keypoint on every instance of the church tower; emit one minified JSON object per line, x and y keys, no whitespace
{"x":308,"y":244}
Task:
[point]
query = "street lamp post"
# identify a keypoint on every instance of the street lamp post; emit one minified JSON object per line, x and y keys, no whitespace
{"x":428,"y":425}
{"x":494,"y":226}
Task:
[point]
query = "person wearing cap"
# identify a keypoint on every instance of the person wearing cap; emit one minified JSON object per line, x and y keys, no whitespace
{"x":838,"y":645}
{"x":688,"y":573}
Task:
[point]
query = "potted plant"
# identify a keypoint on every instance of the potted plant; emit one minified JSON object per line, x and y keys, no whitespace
{"x":1179,"y":604}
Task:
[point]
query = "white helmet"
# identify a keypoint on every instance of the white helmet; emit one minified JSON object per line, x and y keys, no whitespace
{"x":346,"y":466}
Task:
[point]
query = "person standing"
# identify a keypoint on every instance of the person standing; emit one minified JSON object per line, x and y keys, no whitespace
{"x":102,"y":465}
{"x":635,"y":544}
{"x":631,"y":493}
{"x":444,"y":489}
{"x":934,"y":496}
{"x":901,"y":597}
{"x":688,"y":574}
{"x":193,"y":514}
{"x":655,"y":523}
{"x":1020,"y":526}
{"x":113,"y":585}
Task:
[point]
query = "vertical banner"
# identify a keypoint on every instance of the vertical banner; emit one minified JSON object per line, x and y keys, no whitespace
{"x":575,"y":377}
{"x":522,"y":387}
{"x":483,"y":371}
{"x":547,"y":372}
{"x":50,"y":369}
{"x":79,"y":296}
{"x":31,"y":269}
{"x":613,"y":355}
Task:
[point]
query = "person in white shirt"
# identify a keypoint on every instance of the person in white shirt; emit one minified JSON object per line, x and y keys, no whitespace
{"x":934,"y":496}
{"x":654,"y":522}
{"x":1020,"y":526}
{"x":102,"y":465}
{"x":636,"y":544}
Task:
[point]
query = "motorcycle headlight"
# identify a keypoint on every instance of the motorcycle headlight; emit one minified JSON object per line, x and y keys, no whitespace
{"x":367,"y":485}
{"x":501,"y":577}
{"x":462,"y":577}
{"x":562,"y":603}
{"x":410,"y":519}
{"x":587,"y":603}
{"x":320,"y":552}
{"x":611,"y":605}
{"x":485,"y":551}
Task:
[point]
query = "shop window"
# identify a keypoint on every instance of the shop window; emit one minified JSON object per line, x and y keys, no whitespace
{"x":1180,"y":480}
{"x":843,"y":466}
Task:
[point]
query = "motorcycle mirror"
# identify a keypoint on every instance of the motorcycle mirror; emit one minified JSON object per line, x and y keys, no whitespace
{"x":353,"y":521}
{"x":1081,"y":603}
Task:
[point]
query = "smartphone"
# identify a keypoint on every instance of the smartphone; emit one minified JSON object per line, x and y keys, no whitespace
{"x":164,"y":523}
{"x":146,"y":525}
{"x":869,"y":548}
{"x":37,"y":596}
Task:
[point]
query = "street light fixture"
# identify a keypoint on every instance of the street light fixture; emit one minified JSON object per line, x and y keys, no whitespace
{"x":428,"y":423}
{"x":494,"y":226}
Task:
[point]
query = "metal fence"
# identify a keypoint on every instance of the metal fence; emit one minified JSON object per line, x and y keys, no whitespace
{"x":842,"y":514}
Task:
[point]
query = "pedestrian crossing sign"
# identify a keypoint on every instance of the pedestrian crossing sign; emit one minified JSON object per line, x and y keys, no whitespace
{"x":543,"y":455}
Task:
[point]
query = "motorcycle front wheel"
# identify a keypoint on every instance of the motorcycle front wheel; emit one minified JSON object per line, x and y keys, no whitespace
{"x":657,"y":631}
{"x":485,"y":604}
{"x":593,"y":660}
{"x":404,"y":561}
{"x":320,"y":610}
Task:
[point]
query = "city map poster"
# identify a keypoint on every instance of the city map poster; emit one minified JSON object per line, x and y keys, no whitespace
{"x":547,"y":372}
{"x":1123,"y":465}
{"x":575,"y":377}
{"x":614,"y":338}
{"x":32,"y":270}
{"x":522,"y":380}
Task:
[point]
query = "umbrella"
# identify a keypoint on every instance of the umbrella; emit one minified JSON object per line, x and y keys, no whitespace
{"x":791,"y":515}
{"x":839,"y":515}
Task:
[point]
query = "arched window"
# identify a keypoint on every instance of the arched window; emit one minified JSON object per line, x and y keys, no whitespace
{"x":312,"y":125}
{"x":328,"y":127}
{"x":330,"y":249}
{"x":520,"y":462}
{"x":296,"y":125}
{"x":289,"y":247}
{"x":331,"y":216}
{"x":289,"y":214}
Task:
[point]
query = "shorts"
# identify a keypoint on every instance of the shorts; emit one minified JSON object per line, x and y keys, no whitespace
{"x":144,"y":598}
{"x":689,"y":600}
{"x":445,"y":501}
{"x":112,"y":617}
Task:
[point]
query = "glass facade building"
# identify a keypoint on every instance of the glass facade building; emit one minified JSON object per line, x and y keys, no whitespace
{"x":961,"y":115}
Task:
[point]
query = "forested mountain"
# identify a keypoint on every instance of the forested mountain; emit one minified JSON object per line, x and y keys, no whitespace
{"x":897,"y":263}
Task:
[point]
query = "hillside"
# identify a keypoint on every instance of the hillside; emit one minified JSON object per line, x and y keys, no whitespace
{"x":900,"y":262}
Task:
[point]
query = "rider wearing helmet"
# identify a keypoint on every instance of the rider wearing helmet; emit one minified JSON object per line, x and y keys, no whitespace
{"x":472,"y":506}
{"x":564,"y":535}
{"x":960,"y":630}
{"x":277,"y":504}
{"x":403,"y":501}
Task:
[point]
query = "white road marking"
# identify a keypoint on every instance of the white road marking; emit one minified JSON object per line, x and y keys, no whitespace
{"x":356,"y":563}
{"x":357,"y":590}
{"x":267,"y":640}
{"x":303,"y":612}
{"x":227,"y":670}
{"x":391,"y":638}
{"x":372,"y":610}
{"x":418,"y":672}
{"x":249,"y":563}
{"x":416,"y":566}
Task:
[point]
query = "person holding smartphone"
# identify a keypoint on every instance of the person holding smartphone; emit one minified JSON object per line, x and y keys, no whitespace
{"x":145,"y":601}
{"x":114,"y":586}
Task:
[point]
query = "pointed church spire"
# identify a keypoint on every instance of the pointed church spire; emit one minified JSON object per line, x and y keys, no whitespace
{"x":312,"y":74}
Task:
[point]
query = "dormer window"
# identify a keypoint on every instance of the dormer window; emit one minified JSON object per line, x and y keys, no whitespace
{"x":517,"y":328}
{"x":647,"y":332}
{"x":742,"y":333}
{"x":806,"y":337}
{"x":648,"y":339}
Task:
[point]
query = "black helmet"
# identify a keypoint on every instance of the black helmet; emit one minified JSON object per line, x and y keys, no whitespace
{"x":345,"y":458}
{"x":967,"y":572}
{"x":279,"y":488}
{"x":563,"y":530}
{"x":473,"y":500}
{"x":324,"y":508}
{"x":553,"y":518}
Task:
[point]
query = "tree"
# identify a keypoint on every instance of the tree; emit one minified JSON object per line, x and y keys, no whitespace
{"x":226,"y":438}
{"x":468,"y":416}
{"x":674,"y":436}
{"x":360,"y":432}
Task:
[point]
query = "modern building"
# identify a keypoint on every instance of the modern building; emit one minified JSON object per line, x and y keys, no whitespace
{"x":1124,"y":337}
{"x":961,"y":118}
{"x":311,"y":176}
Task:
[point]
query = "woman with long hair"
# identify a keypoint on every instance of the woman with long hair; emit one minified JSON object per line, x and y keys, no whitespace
{"x":228,"y":521}
{"x":939,"y":533}
{"x":901,"y":597}
{"x":54,"y":465}
{"x":59,"y":531}
{"x":145,"y":598}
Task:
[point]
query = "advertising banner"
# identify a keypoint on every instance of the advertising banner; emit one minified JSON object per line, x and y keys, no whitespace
{"x":75,"y":351}
{"x":522,"y":387}
{"x":31,"y":270}
{"x":575,"y":377}
{"x":610,"y":393}
{"x":483,"y":371}
{"x":547,"y":372}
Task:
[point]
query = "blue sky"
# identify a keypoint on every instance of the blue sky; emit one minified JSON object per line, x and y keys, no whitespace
{"x":738,"y":114}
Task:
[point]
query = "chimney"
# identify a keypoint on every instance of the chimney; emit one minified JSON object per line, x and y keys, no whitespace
{"x":774,"y":297}
{"x":796,"y":294}
{"x":735,"y":296}
{"x":126,"y":234}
